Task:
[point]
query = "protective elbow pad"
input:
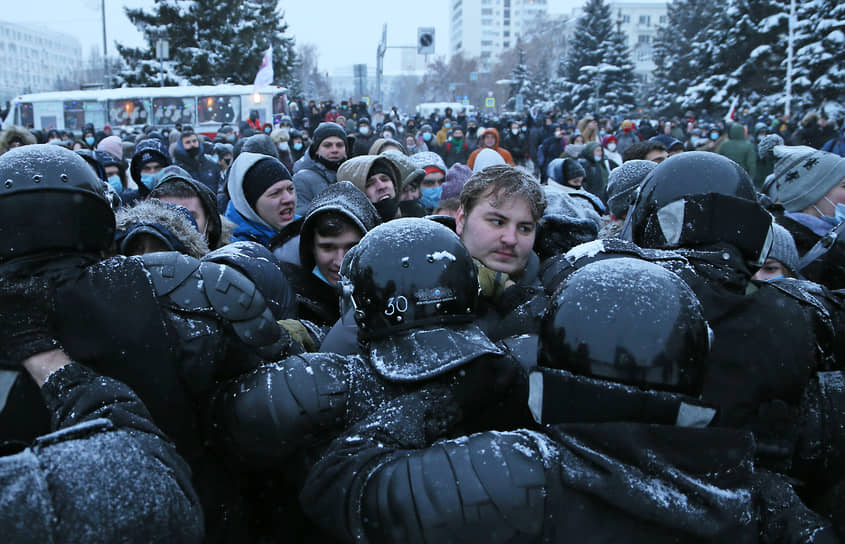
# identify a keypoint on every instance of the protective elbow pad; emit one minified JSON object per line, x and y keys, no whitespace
{"x":194,"y":286}
{"x":280,"y":408}
{"x":488,"y":487}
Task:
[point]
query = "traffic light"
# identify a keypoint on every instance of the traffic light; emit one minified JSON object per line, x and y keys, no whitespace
{"x":425,"y":40}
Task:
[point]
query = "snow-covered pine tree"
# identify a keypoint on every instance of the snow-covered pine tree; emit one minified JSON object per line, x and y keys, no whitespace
{"x":678,"y":52}
{"x":211,"y":42}
{"x":598,"y":62}
{"x":819,"y":63}
{"x":520,"y":84}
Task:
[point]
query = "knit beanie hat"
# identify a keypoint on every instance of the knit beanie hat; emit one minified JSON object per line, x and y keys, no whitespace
{"x":803,"y":175}
{"x":112,"y":145}
{"x":323,"y":131}
{"x":409,"y":173}
{"x":429,"y":161}
{"x":783,"y":248}
{"x":382,"y":167}
{"x":487,"y":157}
{"x":456,"y":177}
{"x":622,"y":184}
{"x":261,"y":176}
{"x":571,"y":170}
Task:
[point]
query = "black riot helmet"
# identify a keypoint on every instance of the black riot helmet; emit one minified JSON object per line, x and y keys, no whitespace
{"x":630,"y":321}
{"x":698,"y":199}
{"x":51,"y":199}
{"x":408,"y":273}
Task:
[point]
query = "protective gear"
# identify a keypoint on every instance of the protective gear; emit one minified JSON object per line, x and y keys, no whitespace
{"x":39,"y":177}
{"x":89,"y":140}
{"x":395,"y":286}
{"x":697,"y":199}
{"x":297,"y":146}
{"x":284,"y":146}
{"x":364,"y":130}
{"x":627,"y":321}
{"x":115,"y":184}
{"x":149,"y":180}
{"x":426,"y":136}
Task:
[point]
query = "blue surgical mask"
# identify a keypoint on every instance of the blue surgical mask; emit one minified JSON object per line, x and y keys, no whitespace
{"x":838,"y":214}
{"x":89,"y":140}
{"x":430,"y":196}
{"x":268,"y":130}
{"x":116,"y":184}
{"x":776,"y":278}
{"x":297,"y":146}
{"x":427,"y":136}
{"x":149,"y":180}
{"x":714,"y":136}
{"x":317,"y":273}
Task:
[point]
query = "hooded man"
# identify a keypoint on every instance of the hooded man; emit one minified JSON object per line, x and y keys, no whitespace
{"x":490,"y":139}
{"x":189,"y":154}
{"x":378,"y":178}
{"x":147,"y":162}
{"x":317,"y":169}
{"x":177,"y":187}
{"x":335,"y":221}
{"x":263,"y":197}
{"x":739,"y":149}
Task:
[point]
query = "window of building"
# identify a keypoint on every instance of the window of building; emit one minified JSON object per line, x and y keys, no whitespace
{"x":644,"y":38}
{"x":644,"y":55}
{"x":507,"y":44}
{"x":645,"y":19}
{"x":663,"y":19}
{"x":486,"y":11}
{"x":486,"y":43}
{"x":487,"y":22}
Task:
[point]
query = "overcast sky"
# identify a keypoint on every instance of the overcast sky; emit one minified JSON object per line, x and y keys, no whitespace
{"x":345,"y":32}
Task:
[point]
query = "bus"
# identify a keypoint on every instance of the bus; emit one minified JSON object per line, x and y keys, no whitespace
{"x":427,"y":108}
{"x":206,"y":108}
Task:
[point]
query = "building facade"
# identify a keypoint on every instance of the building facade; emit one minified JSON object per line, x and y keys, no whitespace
{"x":34,"y":59}
{"x":484,"y":28}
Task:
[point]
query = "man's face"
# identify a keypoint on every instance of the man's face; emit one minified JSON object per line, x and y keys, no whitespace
{"x":656,"y":155}
{"x":225,"y":161}
{"x":489,"y":140}
{"x":379,"y":186}
{"x":457,"y":134}
{"x":151,"y":167}
{"x":576,"y":182}
{"x":190,"y":142}
{"x":500,"y":237}
{"x":434,"y":179}
{"x":276,"y":205}
{"x":330,"y":250}
{"x":411,"y":192}
{"x":193,"y":205}
{"x":332,"y":149}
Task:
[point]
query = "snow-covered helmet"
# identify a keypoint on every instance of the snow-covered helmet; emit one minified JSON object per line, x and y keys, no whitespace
{"x":51,"y":199}
{"x":630,"y":321}
{"x":697,"y":199}
{"x":409,"y":273}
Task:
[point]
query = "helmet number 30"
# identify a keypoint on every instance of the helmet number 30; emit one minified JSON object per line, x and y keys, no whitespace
{"x":396,"y":305}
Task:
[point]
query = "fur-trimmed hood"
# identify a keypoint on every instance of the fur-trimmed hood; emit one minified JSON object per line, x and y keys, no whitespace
{"x":13,"y":132}
{"x":160,"y":219}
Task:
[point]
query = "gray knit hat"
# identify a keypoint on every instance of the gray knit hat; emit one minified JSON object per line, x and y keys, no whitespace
{"x":783,"y":248}
{"x":622,"y":184}
{"x":804,"y":175}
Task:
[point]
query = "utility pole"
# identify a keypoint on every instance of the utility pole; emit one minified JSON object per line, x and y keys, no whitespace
{"x":382,"y":48}
{"x":105,"y":44}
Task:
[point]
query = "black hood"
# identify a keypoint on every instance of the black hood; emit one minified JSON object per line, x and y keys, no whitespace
{"x":207,"y":198}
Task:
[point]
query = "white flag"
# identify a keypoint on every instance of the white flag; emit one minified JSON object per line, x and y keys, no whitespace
{"x":265,"y":71}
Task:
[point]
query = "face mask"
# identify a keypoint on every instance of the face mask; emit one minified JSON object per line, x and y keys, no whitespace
{"x":558,"y":134}
{"x":297,"y":146}
{"x":427,"y":136}
{"x":514,"y":131}
{"x":524,"y":129}
{"x":776,"y":278}
{"x":430,"y":196}
{"x":115,"y":183}
{"x":267,"y":131}
{"x":597,"y":158}
{"x":387,"y":134}
{"x":364,"y":131}
{"x":283,"y":146}
{"x":447,"y":125}
{"x":838,"y":214}
{"x":89,"y":140}
{"x":611,"y":146}
{"x":400,"y":130}
{"x":457,"y":141}
{"x":714,"y":136}
{"x":149,"y":180}
{"x":694,"y":140}
{"x":387,"y":208}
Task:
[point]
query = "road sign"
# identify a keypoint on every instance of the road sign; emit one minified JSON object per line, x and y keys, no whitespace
{"x":473,"y":76}
{"x":365,"y":100}
{"x":490,"y":102}
{"x":425,"y":40}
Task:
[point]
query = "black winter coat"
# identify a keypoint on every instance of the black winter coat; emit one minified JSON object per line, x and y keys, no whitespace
{"x":106,"y":474}
{"x":202,"y":168}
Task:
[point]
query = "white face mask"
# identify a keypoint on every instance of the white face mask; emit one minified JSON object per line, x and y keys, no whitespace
{"x":283,"y":146}
{"x":611,"y":146}
{"x":387,"y":134}
{"x":514,"y":131}
{"x":364,"y":130}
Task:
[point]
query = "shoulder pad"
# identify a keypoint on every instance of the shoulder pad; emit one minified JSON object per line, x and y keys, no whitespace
{"x":231,"y":293}
{"x":168,"y":270}
{"x":261,"y":330}
{"x":803,"y":291}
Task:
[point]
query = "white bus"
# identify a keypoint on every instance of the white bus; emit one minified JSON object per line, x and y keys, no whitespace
{"x":206,"y":108}
{"x":427,"y":108}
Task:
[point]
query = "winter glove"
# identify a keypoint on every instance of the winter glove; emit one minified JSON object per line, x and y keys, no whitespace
{"x":300,"y":334}
{"x":492,"y":283}
{"x":27,"y":306}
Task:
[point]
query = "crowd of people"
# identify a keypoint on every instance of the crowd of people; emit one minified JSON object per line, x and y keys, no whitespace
{"x":346,"y":324}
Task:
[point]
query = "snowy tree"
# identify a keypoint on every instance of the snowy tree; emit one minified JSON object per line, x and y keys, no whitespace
{"x":211,"y":42}
{"x":819,"y":64}
{"x":597,"y":74}
{"x":521,"y":89}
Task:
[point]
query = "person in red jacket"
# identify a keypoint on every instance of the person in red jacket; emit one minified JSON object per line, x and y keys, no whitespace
{"x":490,"y":138}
